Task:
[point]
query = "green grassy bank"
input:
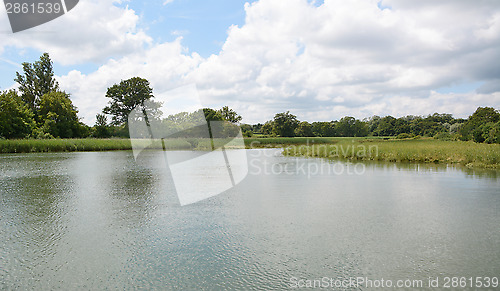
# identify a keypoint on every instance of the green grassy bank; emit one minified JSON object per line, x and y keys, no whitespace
{"x":63,"y":145}
{"x":469,"y":154}
{"x":90,"y":144}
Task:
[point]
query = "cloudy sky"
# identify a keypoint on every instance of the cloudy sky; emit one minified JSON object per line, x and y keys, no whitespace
{"x":320,"y":60}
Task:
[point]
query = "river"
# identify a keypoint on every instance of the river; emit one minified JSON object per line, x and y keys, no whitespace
{"x":99,"y":220}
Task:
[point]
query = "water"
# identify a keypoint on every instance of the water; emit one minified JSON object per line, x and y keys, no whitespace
{"x":101,"y":221}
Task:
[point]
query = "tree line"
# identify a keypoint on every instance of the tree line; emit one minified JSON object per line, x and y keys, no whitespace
{"x":482,"y":126}
{"x":39,"y":109}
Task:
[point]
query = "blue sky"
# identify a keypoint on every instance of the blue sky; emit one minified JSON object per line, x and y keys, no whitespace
{"x":203,"y":26}
{"x":321,"y":60}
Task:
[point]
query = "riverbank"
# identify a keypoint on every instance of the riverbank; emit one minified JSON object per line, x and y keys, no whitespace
{"x":62,"y":145}
{"x":113,"y":144}
{"x":469,"y":154}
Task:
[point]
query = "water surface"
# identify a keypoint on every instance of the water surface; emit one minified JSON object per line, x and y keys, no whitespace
{"x":100,"y":220}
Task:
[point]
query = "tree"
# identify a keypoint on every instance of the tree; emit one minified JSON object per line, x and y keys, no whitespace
{"x":37,"y":80}
{"x":58,"y":115}
{"x":101,"y":128}
{"x":128,"y":95}
{"x":471,"y":128}
{"x":16,"y":118}
{"x":212,"y":115}
{"x":349,"y":126}
{"x":285,"y":124}
{"x":323,"y":128}
{"x":267,"y":128}
{"x":304,"y":129}
{"x":230,"y":115}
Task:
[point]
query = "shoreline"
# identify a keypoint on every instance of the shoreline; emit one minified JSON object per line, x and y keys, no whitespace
{"x":423,"y":151}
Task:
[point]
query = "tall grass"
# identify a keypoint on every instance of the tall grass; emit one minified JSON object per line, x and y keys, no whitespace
{"x":469,"y":154}
{"x":63,"y":145}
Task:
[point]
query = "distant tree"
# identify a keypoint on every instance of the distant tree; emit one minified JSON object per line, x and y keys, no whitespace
{"x":101,"y":128}
{"x":349,"y":126}
{"x":246,"y":130}
{"x":58,"y":115}
{"x":386,"y":126}
{"x":324,"y":128}
{"x":284,"y":124}
{"x":212,"y":115}
{"x":267,"y":128}
{"x":304,"y":129}
{"x":37,"y":80}
{"x":126,"y":96}
{"x":229,"y":114}
{"x":16,"y":118}
{"x":471,"y":128}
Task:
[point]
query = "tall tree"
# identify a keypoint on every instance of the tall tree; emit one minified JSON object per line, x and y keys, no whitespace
{"x":37,"y":80}
{"x":126,"y":96}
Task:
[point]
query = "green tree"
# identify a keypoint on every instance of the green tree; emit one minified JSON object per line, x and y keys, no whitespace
{"x":229,"y":114}
{"x":284,"y":124}
{"x":267,"y":128}
{"x":349,"y":126}
{"x":101,"y":128}
{"x":482,"y":115}
{"x":128,"y":95}
{"x":324,"y":128}
{"x":212,"y":115}
{"x":37,"y":80}
{"x":58,"y":116}
{"x":16,"y":118}
{"x":304,"y":129}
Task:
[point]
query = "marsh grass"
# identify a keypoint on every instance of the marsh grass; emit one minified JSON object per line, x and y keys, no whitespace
{"x":469,"y":154}
{"x":63,"y":145}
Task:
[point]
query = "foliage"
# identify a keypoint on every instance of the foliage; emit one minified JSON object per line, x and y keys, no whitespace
{"x":58,"y":116}
{"x":350,"y":126}
{"x":405,"y":135}
{"x":472,"y":127}
{"x":229,"y":115}
{"x":37,"y":80}
{"x":304,"y":129}
{"x":284,"y":124}
{"x":16,"y":118}
{"x":101,"y":128}
{"x":126,"y":96}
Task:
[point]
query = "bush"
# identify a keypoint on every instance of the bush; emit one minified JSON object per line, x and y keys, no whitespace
{"x":405,"y":135}
{"x":443,"y":136}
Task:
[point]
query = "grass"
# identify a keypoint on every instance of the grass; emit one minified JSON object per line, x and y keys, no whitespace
{"x":63,"y":145}
{"x":469,"y":154}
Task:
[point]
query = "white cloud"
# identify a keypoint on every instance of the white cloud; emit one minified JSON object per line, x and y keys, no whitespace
{"x":92,"y":31}
{"x":164,"y":65}
{"x":321,"y":63}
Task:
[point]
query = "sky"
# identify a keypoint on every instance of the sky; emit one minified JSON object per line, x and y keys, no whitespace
{"x":321,"y":60}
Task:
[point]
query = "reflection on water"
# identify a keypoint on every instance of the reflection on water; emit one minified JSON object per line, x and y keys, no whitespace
{"x":99,"y":220}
